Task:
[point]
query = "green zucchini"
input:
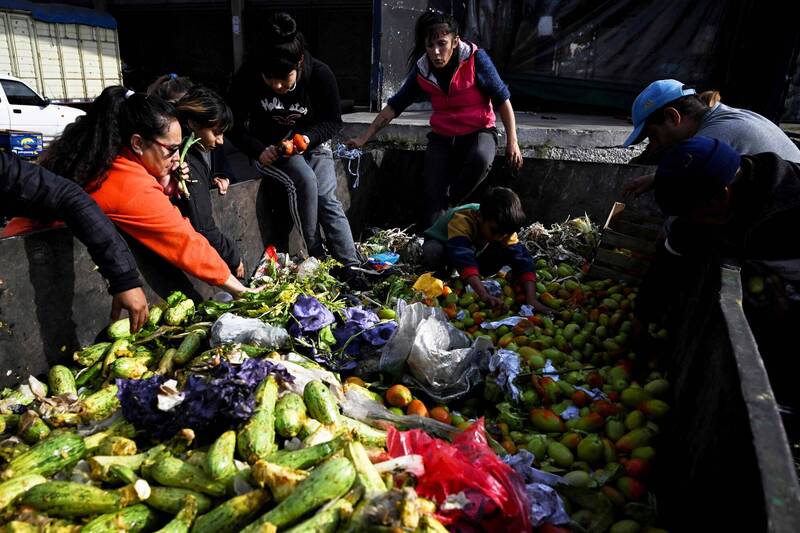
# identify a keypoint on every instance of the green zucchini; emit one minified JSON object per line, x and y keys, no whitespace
{"x":172,"y":472}
{"x":189,"y":346}
{"x":61,"y":381}
{"x":232,"y":515}
{"x":311,"y":456}
{"x":167,"y":362}
{"x":220,"y":463}
{"x":290,"y":415}
{"x":179,"y":313}
{"x":183,"y":520}
{"x":327,"y":482}
{"x":170,"y":499}
{"x":256,"y":438}
{"x":130,"y":519}
{"x":129,"y":368}
{"x":60,"y":450}
{"x":117,"y":445}
{"x":32,"y":428}
{"x":120,"y":329}
{"x":13,"y":488}
{"x":100,"y":405}
{"x":92,"y":354}
{"x":364,"y":433}
{"x":281,"y":480}
{"x":320,"y":402}
{"x":66,"y":499}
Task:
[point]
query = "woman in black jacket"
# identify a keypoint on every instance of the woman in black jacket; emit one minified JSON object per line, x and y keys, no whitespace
{"x":204,"y":113}
{"x":285,"y":95}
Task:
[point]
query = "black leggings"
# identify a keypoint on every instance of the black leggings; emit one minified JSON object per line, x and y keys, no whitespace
{"x":454,"y":168}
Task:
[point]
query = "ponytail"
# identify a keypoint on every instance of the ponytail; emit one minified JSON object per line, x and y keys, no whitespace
{"x":86,"y":149}
{"x":285,"y":47}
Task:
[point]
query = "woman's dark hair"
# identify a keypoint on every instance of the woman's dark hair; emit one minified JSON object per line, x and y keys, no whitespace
{"x":429,"y":26}
{"x":689,"y":106}
{"x":170,"y":87}
{"x":206,"y":108}
{"x":87,"y":147}
{"x":502,"y":206}
{"x":285,"y":47}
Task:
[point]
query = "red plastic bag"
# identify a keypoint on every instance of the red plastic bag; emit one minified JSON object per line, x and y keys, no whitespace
{"x":495,"y":492}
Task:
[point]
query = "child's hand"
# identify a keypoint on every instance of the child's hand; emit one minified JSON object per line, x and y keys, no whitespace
{"x":495,"y":303}
{"x":222,"y":183}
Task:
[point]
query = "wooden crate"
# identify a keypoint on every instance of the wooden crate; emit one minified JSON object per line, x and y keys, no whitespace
{"x":627,"y":245}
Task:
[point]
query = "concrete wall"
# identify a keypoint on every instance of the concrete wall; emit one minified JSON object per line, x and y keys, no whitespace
{"x":53,"y":301}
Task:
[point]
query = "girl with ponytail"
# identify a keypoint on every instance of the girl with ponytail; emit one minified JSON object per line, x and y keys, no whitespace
{"x":124,"y":152}
{"x":285,"y":97}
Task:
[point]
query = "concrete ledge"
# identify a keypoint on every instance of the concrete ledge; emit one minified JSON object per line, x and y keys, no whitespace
{"x":545,"y":136}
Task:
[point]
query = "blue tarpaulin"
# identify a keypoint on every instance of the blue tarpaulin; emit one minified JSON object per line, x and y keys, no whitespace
{"x":62,"y":13}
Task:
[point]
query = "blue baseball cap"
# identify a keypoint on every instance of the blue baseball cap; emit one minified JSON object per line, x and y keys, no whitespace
{"x":693,"y":173}
{"x":656,"y":95}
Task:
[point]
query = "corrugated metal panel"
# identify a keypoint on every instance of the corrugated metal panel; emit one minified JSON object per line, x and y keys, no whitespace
{"x":50,"y":60}
{"x":5,"y":46}
{"x":22,"y":34}
{"x":110,"y":64}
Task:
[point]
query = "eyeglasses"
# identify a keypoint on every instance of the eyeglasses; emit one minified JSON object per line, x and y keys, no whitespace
{"x":171,"y":150}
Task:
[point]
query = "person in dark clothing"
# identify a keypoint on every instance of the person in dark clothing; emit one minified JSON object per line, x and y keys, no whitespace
{"x":204,"y":113}
{"x":464,"y":89}
{"x":738,"y":206}
{"x":287,"y":95}
{"x":31,"y":191}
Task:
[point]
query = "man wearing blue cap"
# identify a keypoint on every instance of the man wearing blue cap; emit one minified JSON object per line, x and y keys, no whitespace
{"x":668,"y":111}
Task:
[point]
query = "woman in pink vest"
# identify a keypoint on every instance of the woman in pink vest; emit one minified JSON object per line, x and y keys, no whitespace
{"x":464,"y":88}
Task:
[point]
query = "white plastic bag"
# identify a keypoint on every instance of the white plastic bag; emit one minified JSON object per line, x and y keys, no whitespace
{"x":442,"y":360}
{"x":233,"y":329}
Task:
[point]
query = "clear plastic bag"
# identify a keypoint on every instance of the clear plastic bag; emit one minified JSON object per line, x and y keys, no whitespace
{"x":232,"y":329}
{"x":442,"y":360}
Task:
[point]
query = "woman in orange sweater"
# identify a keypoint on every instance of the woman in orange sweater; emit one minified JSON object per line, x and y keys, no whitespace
{"x":124,"y":152}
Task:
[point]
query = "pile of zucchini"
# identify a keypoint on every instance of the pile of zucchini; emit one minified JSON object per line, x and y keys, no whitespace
{"x":296,"y":465}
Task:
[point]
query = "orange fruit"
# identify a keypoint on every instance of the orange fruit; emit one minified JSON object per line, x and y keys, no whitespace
{"x":441,"y":414}
{"x":446,"y":290}
{"x":416,"y":407}
{"x":299,"y":142}
{"x":355,"y":380}
{"x":398,"y":396}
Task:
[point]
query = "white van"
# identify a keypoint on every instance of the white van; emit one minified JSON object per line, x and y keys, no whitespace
{"x":23,"y":109}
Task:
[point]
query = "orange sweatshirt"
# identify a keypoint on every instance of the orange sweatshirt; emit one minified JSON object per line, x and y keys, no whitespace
{"x":137,"y":205}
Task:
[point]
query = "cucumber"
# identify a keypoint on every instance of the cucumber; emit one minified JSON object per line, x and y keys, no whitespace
{"x":311,"y":456}
{"x":183,"y":520}
{"x":100,"y":405}
{"x":32,"y":428}
{"x":365,"y":433}
{"x":170,"y":499}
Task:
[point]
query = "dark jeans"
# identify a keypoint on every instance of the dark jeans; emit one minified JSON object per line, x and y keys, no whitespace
{"x":310,"y":181}
{"x":490,"y":260}
{"x":454,"y":168}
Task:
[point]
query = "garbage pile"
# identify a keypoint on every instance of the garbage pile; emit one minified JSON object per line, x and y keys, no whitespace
{"x":306,"y":407}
